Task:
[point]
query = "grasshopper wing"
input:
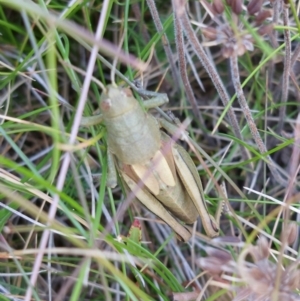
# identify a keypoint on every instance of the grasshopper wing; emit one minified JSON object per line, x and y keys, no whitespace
{"x":155,"y":172}
{"x":162,"y":181}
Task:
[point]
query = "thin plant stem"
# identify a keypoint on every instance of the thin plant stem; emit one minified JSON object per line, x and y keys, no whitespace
{"x":294,"y":59}
{"x":273,"y":40}
{"x":286,"y":68}
{"x":181,"y":14}
{"x":276,"y":9}
{"x":182,"y":68}
{"x":295,"y":55}
{"x":276,"y":12}
{"x":165,"y":41}
{"x":193,"y":69}
{"x":251,"y":123}
{"x":143,"y":28}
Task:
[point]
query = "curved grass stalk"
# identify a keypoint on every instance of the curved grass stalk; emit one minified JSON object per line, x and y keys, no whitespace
{"x":251,"y":123}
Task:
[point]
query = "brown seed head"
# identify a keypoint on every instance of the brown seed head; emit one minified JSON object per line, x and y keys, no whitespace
{"x":210,"y":33}
{"x":233,"y":38}
{"x":218,"y":6}
{"x":292,"y":277}
{"x":223,"y":256}
{"x":236,"y":6}
{"x":227,"y":51}
{"x":263,"y":15}
{"x":254,"y":6}
{"x":292,"y":232}
{"x":211,"y":264}
{"x":265,"y":29}
{"x":262,"y":249}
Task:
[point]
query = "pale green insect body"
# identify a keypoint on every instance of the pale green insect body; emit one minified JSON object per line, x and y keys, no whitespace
{"x":132,"y":135}
{"x":161,"y":173}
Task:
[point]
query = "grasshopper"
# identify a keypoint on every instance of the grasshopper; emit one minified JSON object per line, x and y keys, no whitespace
{"x":172,"y":188}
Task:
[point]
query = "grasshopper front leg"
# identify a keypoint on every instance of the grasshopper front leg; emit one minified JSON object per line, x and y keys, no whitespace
{"x":112,"y":173}
{"x":91,"y":120}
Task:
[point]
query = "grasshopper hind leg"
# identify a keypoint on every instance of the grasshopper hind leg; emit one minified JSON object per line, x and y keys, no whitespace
{"x":189,"y":176}
{"x":157,"y":208}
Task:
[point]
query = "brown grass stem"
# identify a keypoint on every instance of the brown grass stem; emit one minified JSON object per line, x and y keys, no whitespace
{"x":286,"y":68}
{"x":181,"y":14}
{"x":247,"y":113}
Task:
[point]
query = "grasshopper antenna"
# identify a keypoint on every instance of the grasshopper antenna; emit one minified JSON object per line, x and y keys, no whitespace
{"x":82,"y":72}
{"x":147,"y":63}
{"x":112,"y":74}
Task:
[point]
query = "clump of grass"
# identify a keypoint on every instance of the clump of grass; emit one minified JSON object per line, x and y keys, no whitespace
{"x":64,"y":234}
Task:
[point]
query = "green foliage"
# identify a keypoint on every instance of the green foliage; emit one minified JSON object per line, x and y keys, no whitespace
{"x":49,"y":164}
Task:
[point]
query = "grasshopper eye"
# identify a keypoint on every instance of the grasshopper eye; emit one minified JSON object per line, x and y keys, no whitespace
{"x":105,"y":105}
{"x":127,"y":92}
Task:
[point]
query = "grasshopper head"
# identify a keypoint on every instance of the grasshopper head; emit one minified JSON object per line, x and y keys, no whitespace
{"x":116,"y":101}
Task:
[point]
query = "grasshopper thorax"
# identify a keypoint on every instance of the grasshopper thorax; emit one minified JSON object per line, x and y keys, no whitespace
{"x":116,"y":101}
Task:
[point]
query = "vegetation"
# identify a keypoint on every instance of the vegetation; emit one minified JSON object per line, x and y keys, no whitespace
{"x":231,"y":72}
